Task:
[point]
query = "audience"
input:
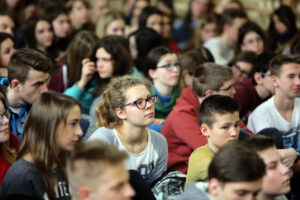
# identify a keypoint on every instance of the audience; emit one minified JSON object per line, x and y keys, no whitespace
{"x":187,"y":101}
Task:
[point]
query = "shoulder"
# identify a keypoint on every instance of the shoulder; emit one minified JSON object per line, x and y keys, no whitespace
{"x":202,"y":153}
{"x":156,"y":137}
{"x":267,"y":105}
{"x":102,"y":133}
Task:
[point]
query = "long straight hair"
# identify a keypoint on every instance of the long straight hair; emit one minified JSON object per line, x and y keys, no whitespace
{"x":40,"y":133}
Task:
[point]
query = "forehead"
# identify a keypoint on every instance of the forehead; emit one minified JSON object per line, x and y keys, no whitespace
{"x":168,"y":57}
{"x":290,"y":67}
{"x":136,"y":92}
{"x":251,"y":34}
{"x":102,"y":52}
{"x":226,"y":117}
{"x":42,"y":23}
{"x":269,"y":155}
{"x":6,"y":19}
{"x":34,"y":75}
{"x":251,"y":187}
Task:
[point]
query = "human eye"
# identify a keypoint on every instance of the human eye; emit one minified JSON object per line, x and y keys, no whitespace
{"x":272,"y":165}
{"x":291,"y":76}
{"x":236,"y":124}
{"x":225,"y":127}
{"x":140,"y":103}
{"x":241,"y":193}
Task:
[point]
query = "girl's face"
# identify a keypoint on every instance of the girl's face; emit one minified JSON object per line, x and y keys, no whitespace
{"x":67,"y":134}
{"x":61,"y":25}
{"x":210,"y":30}
{"x":162,"y":76}
{"x":116,"y":27}
{"x":131,"y":113}
{"x":154,"y":21}
{"x":6,"y":50}
{"x":4,"y":121}
{"x":253,"y":42}
{"x":199,"y":7}
{"x":279,"y":25}
{"x":43,"y":34}
{"x":105,"y":65}
{"x":79,"y":13}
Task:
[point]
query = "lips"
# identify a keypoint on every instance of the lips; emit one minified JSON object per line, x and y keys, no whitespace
{"x":150,"y":115}
{"x":4,"y":130}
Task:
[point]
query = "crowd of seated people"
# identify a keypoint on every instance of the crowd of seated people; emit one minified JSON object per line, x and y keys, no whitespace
{"x":137,"y":103}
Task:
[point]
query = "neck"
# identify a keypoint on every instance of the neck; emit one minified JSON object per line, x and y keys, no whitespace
{"x":262,"y":93}
{"x":3,"y":71}
{"x":76,"y":26}
{"x":132,"y":135}
{"x":163,"y":90}
{"x":13,"y":98}
{"x":211,"y":146}
{"x":228,"y":42}
{"x":41,"y":48}
{"x":283,"y":103}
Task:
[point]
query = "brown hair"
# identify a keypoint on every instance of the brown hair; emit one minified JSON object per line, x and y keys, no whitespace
{"x":277,"y":62}
{"x":40,"y":133}
{"x":113,"y":97}
{"x":210,"y":76}
{"x":88,"y":161}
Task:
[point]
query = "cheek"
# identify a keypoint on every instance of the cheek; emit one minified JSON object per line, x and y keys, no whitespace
{"x":272,"y":183}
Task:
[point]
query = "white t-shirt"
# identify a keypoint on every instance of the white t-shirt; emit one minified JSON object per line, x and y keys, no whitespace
{"x":150,"y":163}
{"x":221,"y":53}
{"x":266,"y":115}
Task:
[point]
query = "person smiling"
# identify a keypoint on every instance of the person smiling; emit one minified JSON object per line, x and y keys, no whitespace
{"x":126,"y":109}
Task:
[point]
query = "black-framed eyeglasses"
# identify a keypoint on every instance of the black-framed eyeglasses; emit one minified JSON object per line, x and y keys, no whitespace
{"x":241,"y":70}
{"x":170,"y":66}
{"x":230,"y":87}
{"x":265,"y":75}
{"x":142,"y":103}
{"x":6,"y":113}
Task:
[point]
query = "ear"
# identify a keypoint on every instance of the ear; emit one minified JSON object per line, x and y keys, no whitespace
{"x":213,"y":187}
{"x":258,"y":78}
{"x":274,"y":80}
{"x":208,"y":93}
{"x":120,"y":113}
{"x":84,"y":193}
{"x":15,"y":85}
{"x":152,"y":73}
{"x":204,"y":129}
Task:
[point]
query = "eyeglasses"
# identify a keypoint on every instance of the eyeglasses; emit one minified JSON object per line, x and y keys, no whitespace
{"x":142,"y":103}
{"x":241,"y":70}
{"x":170,"y":66}
{"x":265,"y":75}
{"x":230,"y":87}
{"x":6,"y":114}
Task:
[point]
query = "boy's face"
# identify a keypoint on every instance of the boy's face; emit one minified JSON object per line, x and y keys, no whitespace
{"x":113,"y":184}
{"x":288,"y":83}
{"x":277,"y":180}
{"x":233,"y":29}
{"x":236,"y":190}
{"x":226,"y":89}
{"x":35,"y":84}
{"x":224,"y":129}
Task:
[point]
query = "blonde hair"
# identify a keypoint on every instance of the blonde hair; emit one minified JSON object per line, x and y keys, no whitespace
{"x":105,"y":20}
{"x":113,"y":97}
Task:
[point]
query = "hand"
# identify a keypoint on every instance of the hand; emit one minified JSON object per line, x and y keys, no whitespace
{"x":158,"y":121}
{"x":288,"y":156}
{"x":87,"y":72}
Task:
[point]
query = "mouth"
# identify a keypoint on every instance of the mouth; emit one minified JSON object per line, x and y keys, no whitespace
{"x":150,"y":115}
{"x":287,"y":181}
{"x":4,"y":130}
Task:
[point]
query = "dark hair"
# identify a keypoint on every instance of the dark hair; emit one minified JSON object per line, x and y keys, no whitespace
{"x":154,"y":57}
{"x":30,"y":35}
{"x":210,"y":76}
{"x":53,"y":11}
{"x":216,"y":104}
{"x":247,"y":28}
{"x":146,"y":39}
{"x":259,"y":142}
{"x":234,"y":162}
{"x":146,"y":13}
{"x":262,"y":62}
{"x":24,"y":59}
{"x":244,"y":56}
{"x":192,"y":58}
{"x":122,"y":62}
{"x":229,"y":15}
{"x":278,"y":61}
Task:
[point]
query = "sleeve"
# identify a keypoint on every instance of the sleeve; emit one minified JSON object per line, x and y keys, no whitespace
{"x":215,"y":50}
{"x":101,"y":134}
{"x":198,"y":167}
{"x":161,"y":145}
{"x":74,"y":91}
{"x":188,"y":130}
{"x":241,"y":96}
{"x":257,"y":121}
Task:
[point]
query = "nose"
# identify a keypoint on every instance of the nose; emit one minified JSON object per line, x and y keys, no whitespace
{"x":5,"y":120}
{"x":10,"y":31}
{"x":232,"y":92}
{"x":284,"y":169}
{"x":44,"y":88}
{"x":129,"y":191}
{"x":79,"y":131}
{"x":235,"y":132}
